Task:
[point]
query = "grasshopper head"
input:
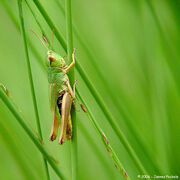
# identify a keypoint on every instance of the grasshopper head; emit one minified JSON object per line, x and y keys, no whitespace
{"x":55,"y":60}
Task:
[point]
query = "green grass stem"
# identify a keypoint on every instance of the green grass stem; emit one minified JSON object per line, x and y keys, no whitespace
{"x":36,"y":19}
{"x":109,"y":148}
{"x":15,"y":22}
{"x":51,"y":24}
{"x":74,"y":158}
{"x":32,"y":136}
{"x":89,"y":139}
{"x":31,"y":80}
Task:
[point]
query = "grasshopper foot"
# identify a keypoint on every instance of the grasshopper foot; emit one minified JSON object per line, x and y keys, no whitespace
{"x":61,"y":141}
{"x":52,"y":137}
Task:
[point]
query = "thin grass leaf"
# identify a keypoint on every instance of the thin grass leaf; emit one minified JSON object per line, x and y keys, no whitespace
{"x":32,"y":136}
{"x":106,"y":165}
{"x":50,"y":23}
{"x":31,"y":80}
{"x":12,"y":147}
{"x":109,"y":148}
{"x":74,"y":158}
{"x":34,"y":16}
{"x":15,"y":22}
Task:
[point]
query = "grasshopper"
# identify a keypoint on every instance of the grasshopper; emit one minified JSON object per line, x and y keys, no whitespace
{"x":61,"y":94}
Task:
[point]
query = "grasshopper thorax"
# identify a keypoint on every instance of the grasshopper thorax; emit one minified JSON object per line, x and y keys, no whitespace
{"x":55,"y":60}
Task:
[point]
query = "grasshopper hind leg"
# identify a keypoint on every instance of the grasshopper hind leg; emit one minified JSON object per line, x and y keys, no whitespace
{"x":69,"y":123}
{"x":64,"y":105}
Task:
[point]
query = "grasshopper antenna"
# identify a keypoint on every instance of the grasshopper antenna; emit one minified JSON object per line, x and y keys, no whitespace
{"x":40,"y":39}
{"x":45,"y":40}
{"x":52,"y":39}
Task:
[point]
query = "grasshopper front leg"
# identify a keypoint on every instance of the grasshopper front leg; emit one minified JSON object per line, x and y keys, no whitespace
{"x":70,"y":90}
{"x":72,"y":64}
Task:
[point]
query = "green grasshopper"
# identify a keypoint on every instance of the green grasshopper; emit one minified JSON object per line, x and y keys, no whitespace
{"x":61,"y":94}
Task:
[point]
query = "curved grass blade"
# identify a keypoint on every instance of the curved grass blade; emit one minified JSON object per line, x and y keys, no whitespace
{"x":110,"y":150}
{"x":12,"y":146}
{"x":96,"y":150}
{"x":32,"y":136}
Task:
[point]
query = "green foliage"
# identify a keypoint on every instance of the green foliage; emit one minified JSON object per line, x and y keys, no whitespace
{"x":128,"y":71}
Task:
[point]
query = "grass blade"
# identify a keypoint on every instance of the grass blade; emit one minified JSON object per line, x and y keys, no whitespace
{"x":50,"y":23}
{"x":71,"y":78}
{"x":31,"y":80}
{"x":17,"y":155}
{"x":14,"y":20}
{"x":32,"y":136}
{"x":110,"y":150}
{"x":89,"y":139}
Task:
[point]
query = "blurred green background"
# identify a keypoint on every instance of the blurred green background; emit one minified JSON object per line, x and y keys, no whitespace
{"x":130,"y":52}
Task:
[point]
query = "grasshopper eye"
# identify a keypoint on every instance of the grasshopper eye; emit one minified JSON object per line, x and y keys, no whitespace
{"x":51,"y":58}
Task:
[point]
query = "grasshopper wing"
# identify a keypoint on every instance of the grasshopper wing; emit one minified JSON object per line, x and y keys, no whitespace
{"x":55,"y":123}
